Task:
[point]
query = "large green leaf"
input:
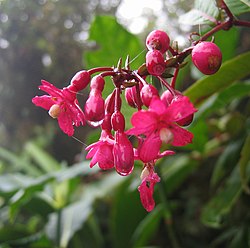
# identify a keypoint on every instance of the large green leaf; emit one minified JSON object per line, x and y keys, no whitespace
{"x":220,"y":205}
{"x":238,"y":7}
{"x":147,"y":227}
{"x":204,"y":12}
{"x":223,"y":98}
{"x":230,"y":71}
{"x":113,"y":42}
{"x":245,"y":158}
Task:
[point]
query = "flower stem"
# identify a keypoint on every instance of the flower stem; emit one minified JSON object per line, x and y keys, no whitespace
{"x":99,"y":69}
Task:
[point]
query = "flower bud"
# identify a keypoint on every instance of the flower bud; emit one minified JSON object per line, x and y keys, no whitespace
{"x":81,"y":80}
{"x":118,"y":121}
{"x":97,"y":82}
{"x":147,"y":93}
{"x":123,"y":154}
{"x":94,"y":106}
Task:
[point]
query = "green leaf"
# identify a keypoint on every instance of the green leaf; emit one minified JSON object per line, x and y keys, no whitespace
{"x":113,"y":42}
{"x":230,"y":71}
{"x":238,"y":7}
{"x":227,"y":160}
{"x":247,"y":2}
{"x":43,"y":159}
{"x":204,"y":12}
{"x":220,"y":205}
{"x":127,"y":213}
{"x":147,"y":227}
{"x":223,"y":98}
{"x":244,"y":160}
{"x":175,"y":170}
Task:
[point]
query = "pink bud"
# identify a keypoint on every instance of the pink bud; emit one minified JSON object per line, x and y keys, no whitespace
{"x":106,"y":124}
{"x":118,"y":121}
{"x":147,"y":93}
{"x":167,"y":97}
{"x":81,"y":80}
{"x":94,"y":107}
{"x":97,"y":82}
{"x":123,"y":154}
{"x":110,"y":103}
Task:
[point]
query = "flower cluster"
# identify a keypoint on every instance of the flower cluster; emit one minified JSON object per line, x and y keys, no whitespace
{"x":159,"y":117}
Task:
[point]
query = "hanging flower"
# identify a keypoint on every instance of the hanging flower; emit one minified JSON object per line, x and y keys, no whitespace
{"x":62,"y":104}
{"x":146,"y":189}
{"x":101,"y":152}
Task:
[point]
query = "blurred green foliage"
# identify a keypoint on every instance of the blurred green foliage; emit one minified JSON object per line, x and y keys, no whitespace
{"x":203,"y":198}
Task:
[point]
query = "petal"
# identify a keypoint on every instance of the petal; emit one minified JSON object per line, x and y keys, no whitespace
{"x":105,"y":157}
{"x":144,"y":122}
{"x":182,"y":137}
{"x":179,"y":109}
{"x":51,"y":89}
{"x":150,"y":148}
{"x":157,"y":106}
{"x":65,"y":123}
{"x":146,"y":190}
{"x":43,"y":101}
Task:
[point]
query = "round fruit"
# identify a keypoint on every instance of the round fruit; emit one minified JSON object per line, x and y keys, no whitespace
{"x":207,"y":57}
{"x":155,"y":63}
{"x":158,"y":40}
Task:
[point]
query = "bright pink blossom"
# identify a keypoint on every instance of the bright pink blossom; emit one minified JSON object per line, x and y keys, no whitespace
{"x":62,"y":104}
{"x":158,"y":124}
{"x":101,"y":152}
{"x":146,"y":189}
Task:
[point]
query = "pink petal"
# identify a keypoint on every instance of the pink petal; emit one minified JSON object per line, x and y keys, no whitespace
{"x":105,"y":157}
{"x":182,"y":137}
{"x":157,"y":105}
{"x":51,"y":89}
{"x":65,"y":123}
{"x":146,"y":190}
{"x":179,"y":109}
{"x":144,"y":122}
{"x":43,"y":101}
{"x":150,"y":148}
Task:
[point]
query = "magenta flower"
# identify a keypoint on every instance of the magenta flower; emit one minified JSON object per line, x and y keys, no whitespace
{"x":62,"y":104}
{"x":101,"y":152}
{"x":158,"y":124}
{"x":146,"y":189}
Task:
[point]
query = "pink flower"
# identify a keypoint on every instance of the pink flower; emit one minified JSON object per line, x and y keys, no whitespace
{"x":62,"y":104}
{"x":158,"y":124}
{"x":101,"y":152}
{"x":146,"y":189}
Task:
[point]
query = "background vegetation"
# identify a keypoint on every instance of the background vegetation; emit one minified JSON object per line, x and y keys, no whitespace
{"x":48,"y":195}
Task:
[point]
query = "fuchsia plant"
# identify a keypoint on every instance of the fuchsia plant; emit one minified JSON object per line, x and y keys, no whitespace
{"x":159,"y":117}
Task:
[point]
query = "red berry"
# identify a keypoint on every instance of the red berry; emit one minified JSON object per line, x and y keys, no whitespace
{"x":207,"y":57}
{"x":158,"y":40}
{"x":97,"y":82}
{"x":186,"y":121}
{"x":155,"y":63}
{"x":81,"y":80}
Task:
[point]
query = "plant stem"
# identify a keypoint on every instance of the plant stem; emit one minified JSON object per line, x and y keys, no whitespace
{"x":99,"y":69}
{"x":58,"y":227}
